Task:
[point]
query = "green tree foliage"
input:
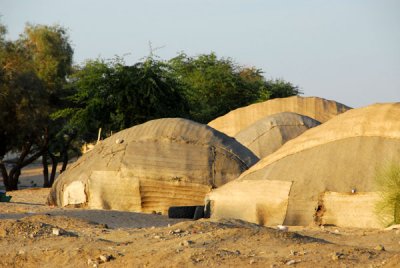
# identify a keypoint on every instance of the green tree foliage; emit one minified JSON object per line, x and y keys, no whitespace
{"x":113,"y":96}
{"x":51,"y":57}
{"x":216,"y":86}
{"x":88,"y":106}
{"x":46,"y":106}
{"x":279,"y":88}
{"x":21,"y":109}
{"x":149,"y":91}
{"x":50,"y":52}
{"x":33,"y":70}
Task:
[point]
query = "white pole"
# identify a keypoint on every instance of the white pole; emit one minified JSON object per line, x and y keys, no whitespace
{"x":98,"y":136}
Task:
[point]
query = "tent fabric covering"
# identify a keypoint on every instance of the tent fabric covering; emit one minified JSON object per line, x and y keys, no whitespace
{"x":350,"y":210}
{"x":340,"y":155}
{"x":317,"y":108}
{"x":149,"y":167}
{"x":378,"y":120}
{"x":268,"y":134}
{"x":266,"y":205}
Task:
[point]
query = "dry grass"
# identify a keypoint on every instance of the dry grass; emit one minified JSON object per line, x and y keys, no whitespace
{"x":388,"y":181}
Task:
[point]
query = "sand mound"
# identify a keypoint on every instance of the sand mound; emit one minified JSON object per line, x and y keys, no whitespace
{"x":268,"y":134}
{"x":39,"y":226}
{"x":150,"y":167}
{"x":10,"y":228}
{"x":317,"y":108}
{"x":325,"y":164}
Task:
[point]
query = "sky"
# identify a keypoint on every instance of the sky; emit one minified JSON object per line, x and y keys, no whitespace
{"x":343,"y":50}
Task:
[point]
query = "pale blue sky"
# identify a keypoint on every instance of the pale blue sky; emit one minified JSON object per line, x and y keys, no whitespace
{"x":345,"y":50}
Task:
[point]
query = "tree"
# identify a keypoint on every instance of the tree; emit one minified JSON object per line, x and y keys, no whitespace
{"x":21,"y":110}
{"x":50,"y":52}
{"x":51,"y":56}
{"x":44,"y":108}
{"x":113,"y":96}
{"x":33,"y":71}
{"x":148,"y":91}
{"x":215,"y":86}
{"x":279,"y":88}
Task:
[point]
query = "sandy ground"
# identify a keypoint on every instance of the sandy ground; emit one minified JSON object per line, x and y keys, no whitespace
{"x":35,"y":235}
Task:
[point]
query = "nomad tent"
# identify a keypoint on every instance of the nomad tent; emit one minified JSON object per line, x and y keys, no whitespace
{"x":268,"y":134}
{"x":324,"y":176}
{"x":319,"y":109}
{"x":152,"y":166}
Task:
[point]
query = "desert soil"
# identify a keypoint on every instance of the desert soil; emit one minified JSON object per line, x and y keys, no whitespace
{"x":33,"y":234}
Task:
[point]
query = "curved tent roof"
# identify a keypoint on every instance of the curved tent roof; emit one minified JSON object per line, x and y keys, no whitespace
{"x":152,"y":166}
{"x":341,"y":155}
{"x":268,"y":134}
{"x":317,"y":108}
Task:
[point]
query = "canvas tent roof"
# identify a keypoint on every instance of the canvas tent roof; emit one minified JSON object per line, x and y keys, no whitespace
{"x":152,"y":166}
{"x":338,"y":156}
{"x":268,"y":134}
{"x":317,"y":108}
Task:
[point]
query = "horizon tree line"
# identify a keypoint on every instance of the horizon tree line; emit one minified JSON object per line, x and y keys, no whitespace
{"x":50,"y":107}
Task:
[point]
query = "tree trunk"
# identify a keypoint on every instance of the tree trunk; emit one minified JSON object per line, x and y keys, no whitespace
{"x":54,"y":163}
{"x":15,"y":171}
{"x":45,"y":164}
{"x":4,"y":174}
{"x":15,"y":178}
{"x":64,"y":153}
{"x":65,"y":162}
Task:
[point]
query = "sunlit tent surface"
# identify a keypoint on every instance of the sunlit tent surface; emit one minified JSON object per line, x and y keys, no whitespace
{"x":268,"y":134}
{"x":150,"y":167}
{"x":317,"y":108}
{"x":312,"y":177}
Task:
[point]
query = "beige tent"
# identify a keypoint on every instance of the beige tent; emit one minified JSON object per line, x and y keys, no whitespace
{"x":268,"y":134}
{"x":319,"y":109}
{"x":150,"y":167}
{"x":312,"y":177}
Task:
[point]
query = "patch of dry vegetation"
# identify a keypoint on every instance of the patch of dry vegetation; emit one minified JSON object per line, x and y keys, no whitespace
{"x":388,"y":181}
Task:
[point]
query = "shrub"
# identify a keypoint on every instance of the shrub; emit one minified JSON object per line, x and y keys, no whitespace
{"x":388,"y":182}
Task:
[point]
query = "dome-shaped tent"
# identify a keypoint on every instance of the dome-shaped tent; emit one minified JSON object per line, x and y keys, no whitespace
{"x":152,"y":166}
{"x":326,"y":173}
{"x":268,"y":134}
{"x":317,"y":108}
